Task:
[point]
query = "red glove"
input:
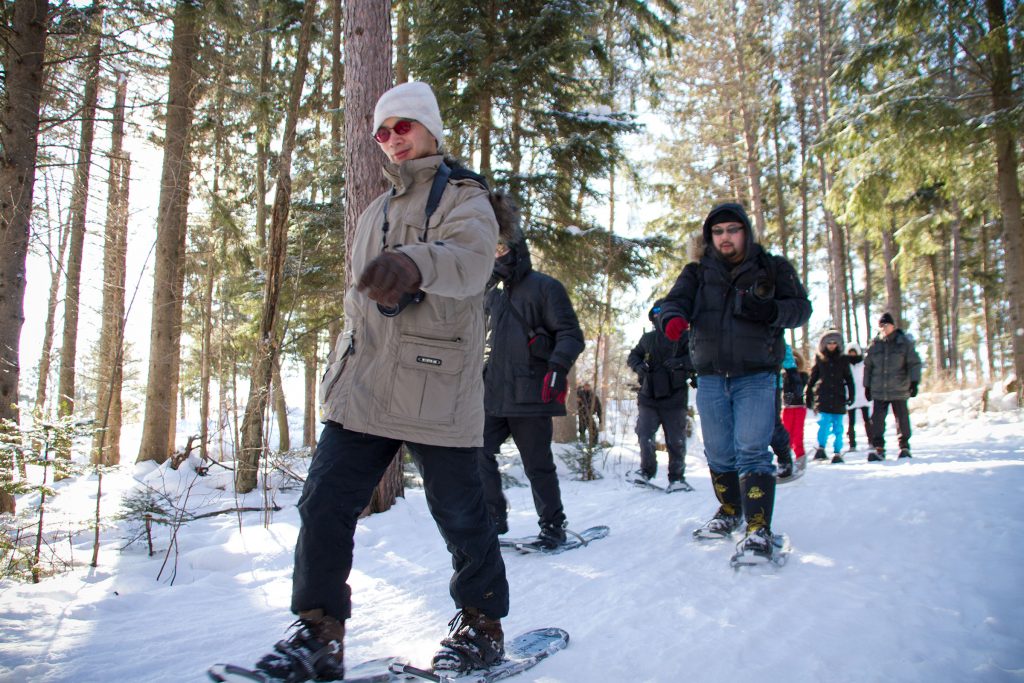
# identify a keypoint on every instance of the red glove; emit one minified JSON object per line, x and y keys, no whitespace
{"x":675,"y":327}
{"x":389,"y":276}
{"x":556,"y":384}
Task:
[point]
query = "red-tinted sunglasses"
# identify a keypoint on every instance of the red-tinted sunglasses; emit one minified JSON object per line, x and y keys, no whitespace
{"x":383,"y":133}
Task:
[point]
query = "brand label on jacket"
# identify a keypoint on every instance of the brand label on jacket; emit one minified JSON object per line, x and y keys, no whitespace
{"x":428,"y":360}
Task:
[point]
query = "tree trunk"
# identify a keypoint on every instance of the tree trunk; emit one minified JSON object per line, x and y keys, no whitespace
{"x":309,"y":400}
{"x":868,"y":291}
{"x":893,"y":292}
{"x":938,"y":319}
{"x":79,"y":205}
{"x":263,"y":138}
{"x":110,"y":373}
{"x":284,"y":439}
{"x":266,"y":351}
{"x":172,"y":215}
{"x":367,"y":76}
{"x":1004,"y":137}
{"x":750,"y":133}
{"x":402,"y":32}
{"x":954,"y":289}
{"x":19,"y":127}
{"x":56,"y":275}
{"x":215,"y":248}
{"x":986,"y":299}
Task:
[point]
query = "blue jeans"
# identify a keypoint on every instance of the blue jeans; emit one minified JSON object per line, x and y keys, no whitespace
{"x":737,"y":417}
{"x":830,"y":423}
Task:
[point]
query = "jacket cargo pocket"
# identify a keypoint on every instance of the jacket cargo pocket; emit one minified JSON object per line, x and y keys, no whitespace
{"x":331,"y":376}
{"x":527,"y":385}
{"x":426,"y":386}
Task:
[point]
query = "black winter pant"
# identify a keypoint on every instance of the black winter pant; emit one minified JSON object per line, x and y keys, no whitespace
{"x":346,"y":468}
{"x":673,"y":423}
{"x":852,"y":419}
{"x":587,"y":424}
{"x":532,"y":436}
{"x":902,"y":415}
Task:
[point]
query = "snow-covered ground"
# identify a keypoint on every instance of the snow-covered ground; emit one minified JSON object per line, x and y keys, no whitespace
{"x":901,"y":571}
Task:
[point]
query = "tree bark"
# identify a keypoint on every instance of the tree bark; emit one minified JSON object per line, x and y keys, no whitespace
{"x":284,"y":439}
{"x":79,"y":206}
{"x":1004,"y":137}
{"x":938,"y":319}
{"x":309,"y":401}
{"x":19,"y":132}
{"x":266,"y":350}
{"x":893,"y":292}
{"x":172,"y":214}
{"x":367,"y":76}
{"x":106,"y":444}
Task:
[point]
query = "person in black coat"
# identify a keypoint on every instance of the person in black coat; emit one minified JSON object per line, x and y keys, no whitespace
{"x":662,"y":369}
{"x":739,"y":299}
{"x":829,"y":391}
{"x":533,"y":338}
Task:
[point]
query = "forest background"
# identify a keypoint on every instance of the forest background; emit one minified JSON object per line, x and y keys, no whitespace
{"x":192,"y":170}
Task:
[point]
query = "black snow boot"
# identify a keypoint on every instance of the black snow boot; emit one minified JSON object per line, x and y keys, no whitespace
{"x":819,"y":454}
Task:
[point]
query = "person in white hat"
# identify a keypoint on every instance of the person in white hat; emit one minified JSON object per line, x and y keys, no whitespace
{"x":407,"y":370}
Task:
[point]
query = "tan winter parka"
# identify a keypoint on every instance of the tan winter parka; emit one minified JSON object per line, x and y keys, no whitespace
{"x":417,"y":376}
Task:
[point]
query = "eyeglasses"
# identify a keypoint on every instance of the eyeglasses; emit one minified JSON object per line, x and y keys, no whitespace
{"x":733,"y":230}
{"x":383,"y":133}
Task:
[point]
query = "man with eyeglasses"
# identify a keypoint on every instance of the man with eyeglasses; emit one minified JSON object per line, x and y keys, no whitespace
{"x":406,"y":370}
{"x":737,"y":300}
{"x":892,"y":371}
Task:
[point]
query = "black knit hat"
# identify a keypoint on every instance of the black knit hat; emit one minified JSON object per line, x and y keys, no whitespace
{"x":727,"y":216}
{"x":886,"y":319}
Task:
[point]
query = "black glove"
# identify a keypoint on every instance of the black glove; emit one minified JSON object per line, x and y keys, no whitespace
{"x":849,"y":399}
{"x":809,"y":400}
{"x":389,"y":276}
{"x":556,"y":384}
{"x":867,"y":393}
{"x":758,"y":309}
{"x":693,"y":380}
{"x":913,"y":389}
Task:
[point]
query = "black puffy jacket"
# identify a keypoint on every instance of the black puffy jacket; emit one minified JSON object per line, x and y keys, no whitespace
{"x":512,"y":376}
{"x":708,"y":294}
{"x":831,"y":382}
{"x":663,"y":368}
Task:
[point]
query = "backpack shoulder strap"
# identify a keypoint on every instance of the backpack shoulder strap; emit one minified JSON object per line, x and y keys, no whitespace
{"x":434,"y":198}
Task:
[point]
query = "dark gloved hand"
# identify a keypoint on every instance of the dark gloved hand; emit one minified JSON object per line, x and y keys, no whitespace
{"x":809,"y":400}
{"x":675,"y":326}
{"x":556,"y":384}
{"x":693,"y":380}
{"x":913,"y":389}
{"x":388,"y":277}
{"x":849,"y":399}
{"x":867,"y":393}
{"x":641,"y":372}
{"x":758,"y":309}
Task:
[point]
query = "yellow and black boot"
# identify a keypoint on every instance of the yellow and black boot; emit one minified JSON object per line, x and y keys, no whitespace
{"x":758,"y":490}
{"x":729,"y":515}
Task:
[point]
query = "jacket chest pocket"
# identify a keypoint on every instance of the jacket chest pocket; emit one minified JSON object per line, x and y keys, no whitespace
{"x":426,"y":380}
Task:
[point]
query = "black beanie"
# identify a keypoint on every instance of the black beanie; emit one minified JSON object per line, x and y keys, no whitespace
{"x":726,"y":216}
{"x":886,"y":319}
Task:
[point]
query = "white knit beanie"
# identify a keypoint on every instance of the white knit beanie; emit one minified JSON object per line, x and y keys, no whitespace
{"x":413,"y":100}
